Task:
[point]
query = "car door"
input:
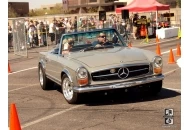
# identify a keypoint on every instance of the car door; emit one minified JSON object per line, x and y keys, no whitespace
{"x":52,"y":64}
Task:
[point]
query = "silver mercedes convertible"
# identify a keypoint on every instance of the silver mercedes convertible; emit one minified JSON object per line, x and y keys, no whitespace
{"x":79,"y":66}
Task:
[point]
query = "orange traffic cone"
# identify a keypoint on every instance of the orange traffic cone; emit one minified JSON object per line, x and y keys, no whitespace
{"x":171,"y":58}
{"x":158,"y":52}
{"x":178,"y":50}
{"x":9,"y":68}
{"x":157,"y":39}
{"x":129,"y":45}
{"x":14,"y":120}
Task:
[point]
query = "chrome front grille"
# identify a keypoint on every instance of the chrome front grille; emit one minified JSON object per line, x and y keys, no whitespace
{"x":120,"y":73}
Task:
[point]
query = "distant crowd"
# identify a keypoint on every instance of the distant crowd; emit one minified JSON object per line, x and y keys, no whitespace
{"x":38,"y":31}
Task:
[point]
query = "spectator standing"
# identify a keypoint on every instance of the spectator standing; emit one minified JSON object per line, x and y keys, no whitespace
{"x":31,"y":33}
{"x":68,"y":26}
{"x":52,"y":28}
{"x":75,"y":24}
{"x":10,"y":36}
{"x":35,"y":33}
{"x":40,"y":33}
{"x":92,"y":24}
{"x":135,"y":26}
{"x":43,"y":29}
{"x":63,"y":27}
{"x":83,"y":25}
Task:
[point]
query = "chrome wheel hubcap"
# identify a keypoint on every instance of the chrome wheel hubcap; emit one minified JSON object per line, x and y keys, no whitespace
{"x":67,"y":89}
{"x":41,"y":77}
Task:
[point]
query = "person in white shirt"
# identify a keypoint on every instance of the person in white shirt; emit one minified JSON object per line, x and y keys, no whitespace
{"x":31,"y":34}
{"x":52,"y":28}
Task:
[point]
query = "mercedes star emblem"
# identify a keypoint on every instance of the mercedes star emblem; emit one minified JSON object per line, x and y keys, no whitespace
{"x":123,"y":73}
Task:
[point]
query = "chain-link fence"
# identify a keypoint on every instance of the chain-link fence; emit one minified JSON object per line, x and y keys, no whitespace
{"x":19,"y":37}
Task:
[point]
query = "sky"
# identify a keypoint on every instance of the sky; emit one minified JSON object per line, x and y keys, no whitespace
{"x":37,"y":3}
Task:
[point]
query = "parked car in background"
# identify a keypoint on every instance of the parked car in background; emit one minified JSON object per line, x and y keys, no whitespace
{"x":84,"y":67}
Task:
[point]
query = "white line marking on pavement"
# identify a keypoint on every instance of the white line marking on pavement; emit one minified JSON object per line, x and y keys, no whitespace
{"x":167,"y":73}
{"x":172,"y":71}
{"x":168,"y":51}
{"x":50,"y":116}
{"x":23,"y":70}
{"x":23,"y":87}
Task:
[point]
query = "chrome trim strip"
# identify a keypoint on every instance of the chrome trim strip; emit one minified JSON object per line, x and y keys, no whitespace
{"x":138,"y":70}
{"x":105,"y":75}
{"x":93,"y":88}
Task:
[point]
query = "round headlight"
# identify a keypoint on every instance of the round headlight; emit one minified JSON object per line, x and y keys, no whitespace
{"x":82,"y":73}
{"x":158,"y":61}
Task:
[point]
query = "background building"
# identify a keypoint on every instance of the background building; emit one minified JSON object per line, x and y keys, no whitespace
{"x":21,"y":8}
{"x":95,"y":5}
{"x":90,"y":6}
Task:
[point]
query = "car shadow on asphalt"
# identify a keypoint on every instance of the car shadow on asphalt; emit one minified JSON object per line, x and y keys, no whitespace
{"x":96,"y":99}
{"x":120,"y":96}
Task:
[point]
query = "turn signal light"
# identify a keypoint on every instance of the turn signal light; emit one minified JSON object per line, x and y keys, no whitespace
{"x":83,"y":82}
{"x":157,"y":70}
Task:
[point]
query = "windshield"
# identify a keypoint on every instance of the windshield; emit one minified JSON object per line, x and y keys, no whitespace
{"x":84,"y":40}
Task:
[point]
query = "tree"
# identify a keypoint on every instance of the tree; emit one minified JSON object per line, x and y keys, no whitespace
{"x":178,"y":2}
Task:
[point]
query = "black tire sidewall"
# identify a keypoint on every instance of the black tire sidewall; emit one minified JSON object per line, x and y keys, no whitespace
{"x":45,"y":80}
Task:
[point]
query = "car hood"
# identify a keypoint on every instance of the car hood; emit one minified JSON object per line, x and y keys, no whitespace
{"x":104,"y":57}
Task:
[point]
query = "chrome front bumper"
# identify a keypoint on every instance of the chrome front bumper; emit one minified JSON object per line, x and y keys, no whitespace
{"x":127,"y":84}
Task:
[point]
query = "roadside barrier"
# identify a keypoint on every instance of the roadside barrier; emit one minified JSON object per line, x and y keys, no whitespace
{"x":14,"y":120}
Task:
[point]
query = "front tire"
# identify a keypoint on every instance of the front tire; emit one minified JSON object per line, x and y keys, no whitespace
{"x":45,"y":83}
{"x":67,"y":89}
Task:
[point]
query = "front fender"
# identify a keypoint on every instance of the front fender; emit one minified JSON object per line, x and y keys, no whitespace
{"x":42,"y":63}
{"x":65,"y":71}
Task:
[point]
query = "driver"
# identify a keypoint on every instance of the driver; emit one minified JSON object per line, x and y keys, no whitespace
{"x":101,"y":41}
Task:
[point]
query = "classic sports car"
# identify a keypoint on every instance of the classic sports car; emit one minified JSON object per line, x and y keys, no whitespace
{"x":79,"y":66}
